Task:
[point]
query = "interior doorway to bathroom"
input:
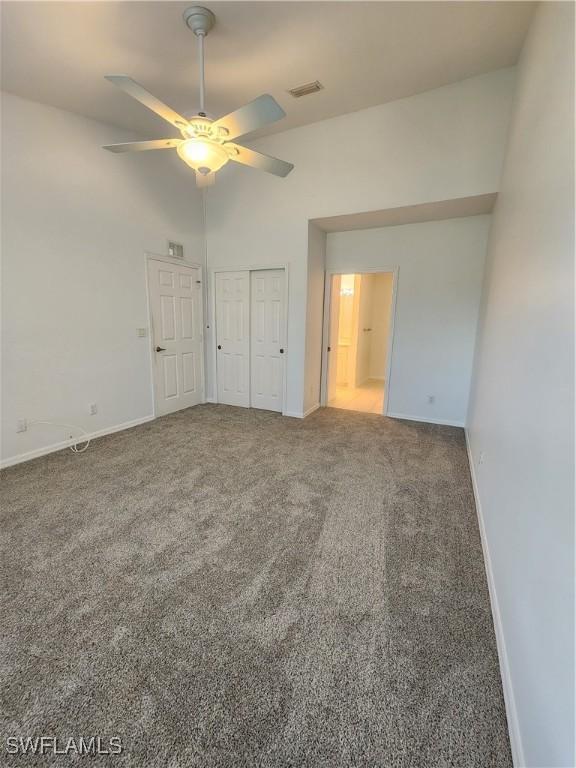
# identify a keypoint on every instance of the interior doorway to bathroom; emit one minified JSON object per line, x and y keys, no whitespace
{"x":359,"y":335}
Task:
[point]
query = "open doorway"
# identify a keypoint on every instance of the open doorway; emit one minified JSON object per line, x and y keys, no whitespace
{"x":360,"y":335}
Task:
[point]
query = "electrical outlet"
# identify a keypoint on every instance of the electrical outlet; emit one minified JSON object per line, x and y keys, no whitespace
{"x":141,"y":332}
{"x":431,"y":399}
{"x":481,"y":458}
{"x":93,"y":408}
{"x":22,"y":425}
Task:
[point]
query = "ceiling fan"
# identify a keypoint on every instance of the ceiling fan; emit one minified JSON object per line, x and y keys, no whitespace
{"x":206,"y":145}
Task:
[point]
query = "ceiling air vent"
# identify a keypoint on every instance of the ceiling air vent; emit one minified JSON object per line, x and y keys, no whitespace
{"x":307,"y":88}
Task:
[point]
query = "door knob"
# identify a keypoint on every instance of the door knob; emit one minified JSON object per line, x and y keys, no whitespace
{"x":219,"y":346}
{"x":281,"y":351}
{"x":160,"y":349}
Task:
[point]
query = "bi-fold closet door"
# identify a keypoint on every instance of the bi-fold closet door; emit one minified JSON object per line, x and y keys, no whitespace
{"x":250,"y":342}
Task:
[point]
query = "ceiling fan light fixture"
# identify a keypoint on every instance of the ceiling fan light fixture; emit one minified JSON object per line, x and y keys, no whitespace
{"x":202,"y":154}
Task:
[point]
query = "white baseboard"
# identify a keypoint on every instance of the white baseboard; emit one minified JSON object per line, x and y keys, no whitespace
{"x":29,"y":455}
{"x":509,"y":700}
{"x":301,"y":414}
{"x":211,"y":400}
{"x":429,"y":420}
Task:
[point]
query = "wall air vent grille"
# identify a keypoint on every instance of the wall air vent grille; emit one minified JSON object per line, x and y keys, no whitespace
{"x":304,"y":90}
{"x":176,"y":250}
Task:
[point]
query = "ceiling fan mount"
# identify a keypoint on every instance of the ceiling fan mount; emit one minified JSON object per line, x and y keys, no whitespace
{"x":206,"y":145}
{"x":199,"y":19}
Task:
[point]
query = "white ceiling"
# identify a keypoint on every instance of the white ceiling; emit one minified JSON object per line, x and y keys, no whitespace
{"x":364,"y":53}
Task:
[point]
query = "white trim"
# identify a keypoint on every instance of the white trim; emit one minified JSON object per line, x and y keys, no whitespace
{"x":358,"y":270}
{"x":29,"y":455}
{"x":427,"y":420}
{"x":212,"y":323}
{"x":509,"y":699}
{"x":300,"y":414}
{"x":170,"y":259}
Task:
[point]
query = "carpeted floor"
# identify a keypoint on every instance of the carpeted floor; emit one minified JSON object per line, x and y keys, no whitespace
{"x":226,"y":587}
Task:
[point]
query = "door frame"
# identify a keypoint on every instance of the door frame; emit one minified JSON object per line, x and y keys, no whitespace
{"x":357,"y":270}
{"x":149,"y":256}
{"x":252,"y":268}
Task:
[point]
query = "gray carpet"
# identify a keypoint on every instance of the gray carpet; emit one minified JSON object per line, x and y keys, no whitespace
{"x":224,"y":587}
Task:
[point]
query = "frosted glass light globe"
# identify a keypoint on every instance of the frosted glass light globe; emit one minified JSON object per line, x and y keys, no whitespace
{"x":203,"y":155}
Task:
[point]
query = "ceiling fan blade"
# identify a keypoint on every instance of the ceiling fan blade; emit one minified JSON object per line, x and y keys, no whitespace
{"x":139,"y":146}
{"x":251,"y":116}
{"x":134,"y":89}
{"x":247,"y":156}
{"x":205,"y":179}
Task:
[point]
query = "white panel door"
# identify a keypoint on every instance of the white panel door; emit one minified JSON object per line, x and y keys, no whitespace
{"x":233,"y":337}
{"x":267,"y":339}
{"x":177,"y":320}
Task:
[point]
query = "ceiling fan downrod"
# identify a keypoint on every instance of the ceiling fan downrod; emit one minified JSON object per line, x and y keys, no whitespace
{"x":200,"y":20}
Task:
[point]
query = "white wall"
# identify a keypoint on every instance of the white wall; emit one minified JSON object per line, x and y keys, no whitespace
{"x":438,"y":145}
{"x":314,"y":316}
{"x":441,"y":265}
{"x":522,"y":407}
{"x":380,"y":323}
{"x":76,"y":223}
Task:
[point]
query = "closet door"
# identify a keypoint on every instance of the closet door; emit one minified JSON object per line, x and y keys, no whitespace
{"x":267,"y":339}
{"x":233,"y":337}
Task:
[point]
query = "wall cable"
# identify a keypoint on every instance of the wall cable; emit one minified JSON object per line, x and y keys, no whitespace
{"x":74,"y":447}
